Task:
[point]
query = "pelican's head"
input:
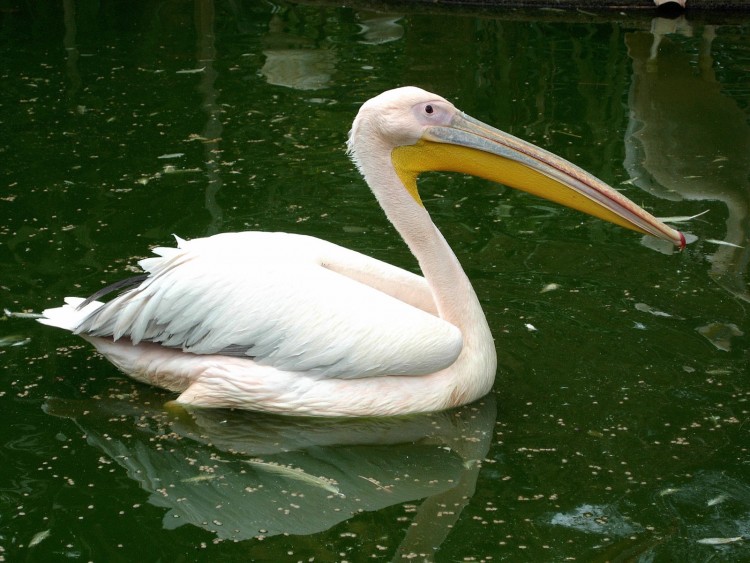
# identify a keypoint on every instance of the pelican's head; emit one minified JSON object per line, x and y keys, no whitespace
{"x":417,"y":131}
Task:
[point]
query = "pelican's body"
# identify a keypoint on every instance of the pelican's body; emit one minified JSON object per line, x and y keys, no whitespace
{"x":292,"y":324}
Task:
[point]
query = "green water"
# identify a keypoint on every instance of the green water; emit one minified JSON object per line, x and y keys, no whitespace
{"x":618,"y":428}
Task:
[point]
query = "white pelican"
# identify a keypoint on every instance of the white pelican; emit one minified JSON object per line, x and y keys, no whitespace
{"x":292,"y":324}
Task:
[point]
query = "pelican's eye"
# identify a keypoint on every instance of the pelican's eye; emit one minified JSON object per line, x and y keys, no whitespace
{"x":432,"y":113}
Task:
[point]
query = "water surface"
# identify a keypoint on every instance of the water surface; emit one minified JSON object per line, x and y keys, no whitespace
{"x":618,"y":425}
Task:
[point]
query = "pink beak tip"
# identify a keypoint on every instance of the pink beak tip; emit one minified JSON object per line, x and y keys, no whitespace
{"x":683,"y":242}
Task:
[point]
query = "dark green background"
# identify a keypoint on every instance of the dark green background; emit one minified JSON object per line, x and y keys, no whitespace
{"x":618,"y":425}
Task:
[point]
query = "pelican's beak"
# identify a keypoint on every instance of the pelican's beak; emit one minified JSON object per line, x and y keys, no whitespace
{"x":472,"y":147}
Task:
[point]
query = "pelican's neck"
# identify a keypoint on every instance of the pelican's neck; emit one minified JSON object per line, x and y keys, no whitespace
{"x":454,"y":296}
{"x":450,"y":286}
{"x":473,"y":372}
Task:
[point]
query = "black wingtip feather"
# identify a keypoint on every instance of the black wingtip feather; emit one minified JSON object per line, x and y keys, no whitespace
{"x":117,"y":286}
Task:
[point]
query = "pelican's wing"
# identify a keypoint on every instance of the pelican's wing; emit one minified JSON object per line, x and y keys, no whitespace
{"x":288,"y":301}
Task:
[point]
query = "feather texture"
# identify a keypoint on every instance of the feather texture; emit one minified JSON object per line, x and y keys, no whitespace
{"x":212,"y":296}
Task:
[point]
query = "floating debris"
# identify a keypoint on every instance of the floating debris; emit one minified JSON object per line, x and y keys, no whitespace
{"x":296,"y":474}
{"x":39,"y":537}
{"x":597,"y":519}
{"x":682,"y":218}
{"x":170,"y":169}
{"x":199,"y":478}
{"x":720,"y":334}
{"x":668,"y":491}
{"x":191,"y":70}
{"x":550,"y":287}
{"x":719,"y":541}
{"x":643,"y":308}
{"x":717,"y":500}
{"x":723,"y":243}
{"x":13,"y":340}
{"x":378,"y":484}
{"x":13,"y":315}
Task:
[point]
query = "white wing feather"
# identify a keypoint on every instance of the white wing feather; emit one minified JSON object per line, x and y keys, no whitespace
{"x":280,"y":299}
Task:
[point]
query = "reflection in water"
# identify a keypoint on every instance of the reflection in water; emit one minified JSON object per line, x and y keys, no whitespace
{"x":376,"y":30}
{"x":242,"y":475}
{"x":720,"y":334}
{"x":103,"y":77}
{"x":71,"y":49}
{"x":712,"y":508}
{"x":205,"y":22}
{"x":301,"y":69}
{"x":709,"y":508}
{"x":292,"y":62}
{"x":688,"y":141}
{"x":596,"y":519}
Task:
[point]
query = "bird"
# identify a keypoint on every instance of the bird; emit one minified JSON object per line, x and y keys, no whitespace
{"x":291,"y":324}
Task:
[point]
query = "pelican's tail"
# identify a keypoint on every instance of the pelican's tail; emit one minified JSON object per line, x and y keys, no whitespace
{"x":70,"y":315}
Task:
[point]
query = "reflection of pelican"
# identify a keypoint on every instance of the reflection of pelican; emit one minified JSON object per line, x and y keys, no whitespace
{"x":381,"y":29}
{"x":241,"y":475}
{"x":292,"y":324}
{"x":692,"y":146}
{"x":292,"y":62}
{"x":301,"y":69}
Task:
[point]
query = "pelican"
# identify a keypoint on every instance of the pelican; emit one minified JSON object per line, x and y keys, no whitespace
{"x":291,"y":324}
